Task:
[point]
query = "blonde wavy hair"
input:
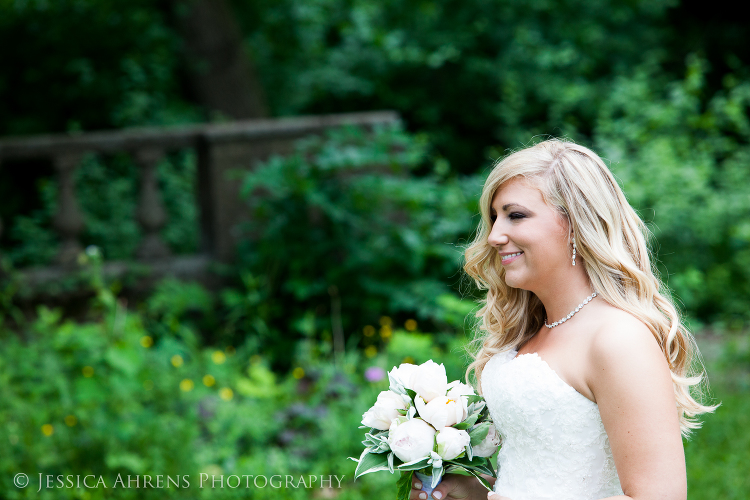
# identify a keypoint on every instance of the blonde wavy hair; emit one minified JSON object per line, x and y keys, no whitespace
{"x":611,"y":240}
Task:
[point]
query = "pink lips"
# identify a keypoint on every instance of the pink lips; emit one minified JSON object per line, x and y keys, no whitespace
{"x":508,"y":261}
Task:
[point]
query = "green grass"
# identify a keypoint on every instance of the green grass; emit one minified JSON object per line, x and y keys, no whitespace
{"x":718,"y":454}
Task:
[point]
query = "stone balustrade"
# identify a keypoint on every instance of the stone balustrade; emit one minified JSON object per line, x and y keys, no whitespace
{"x":220,"y":148}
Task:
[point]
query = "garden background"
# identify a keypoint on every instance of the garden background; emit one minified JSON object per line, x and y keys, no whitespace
{"x":358,"y":267}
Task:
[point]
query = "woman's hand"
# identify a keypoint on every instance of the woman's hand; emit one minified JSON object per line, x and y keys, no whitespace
{"x":454,"y":487}
{"x":496,"y":496}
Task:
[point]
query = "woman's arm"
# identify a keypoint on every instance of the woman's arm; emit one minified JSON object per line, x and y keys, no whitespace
{"x":631,"y":381}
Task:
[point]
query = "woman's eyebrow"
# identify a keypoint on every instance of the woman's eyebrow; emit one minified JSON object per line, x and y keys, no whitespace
{"x":508,"y":205}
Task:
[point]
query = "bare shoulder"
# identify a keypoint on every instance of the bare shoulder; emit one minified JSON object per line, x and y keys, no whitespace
{"x":622,"y":349}
{"x":619,"y":337}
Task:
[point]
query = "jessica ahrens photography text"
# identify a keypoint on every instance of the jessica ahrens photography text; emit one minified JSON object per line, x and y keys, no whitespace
{"x":203,"y":480}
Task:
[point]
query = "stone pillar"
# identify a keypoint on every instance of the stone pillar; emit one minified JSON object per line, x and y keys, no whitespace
{"x":150,"y":214}
{"x":68,"y":220}
{"x":220,"y":165}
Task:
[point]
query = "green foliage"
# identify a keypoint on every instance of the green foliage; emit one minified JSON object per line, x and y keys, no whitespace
{"x":115,"y":395}
{"x":473,"y":74}
{"x":341,"y":228}
{"x":683,"y":164}
{"x":478,"y":77}
{"x":475,"y":77}
{"x":82,"y":65}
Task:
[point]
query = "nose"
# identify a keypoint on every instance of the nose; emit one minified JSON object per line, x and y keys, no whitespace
{"x":497,"y":236}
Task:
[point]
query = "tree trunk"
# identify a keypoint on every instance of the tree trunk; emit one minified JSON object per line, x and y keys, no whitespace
{"x":221,"y":74}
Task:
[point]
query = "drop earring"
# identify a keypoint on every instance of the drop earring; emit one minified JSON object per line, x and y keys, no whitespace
{"x":574,"y":250}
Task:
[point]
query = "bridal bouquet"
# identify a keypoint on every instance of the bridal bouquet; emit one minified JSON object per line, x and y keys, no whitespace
{"x":427,"y":426}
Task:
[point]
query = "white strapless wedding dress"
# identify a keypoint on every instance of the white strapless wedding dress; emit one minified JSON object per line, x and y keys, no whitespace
{"x":554,"y":443}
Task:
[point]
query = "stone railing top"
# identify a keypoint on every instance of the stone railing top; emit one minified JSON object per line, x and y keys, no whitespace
{"x":44,"y":146}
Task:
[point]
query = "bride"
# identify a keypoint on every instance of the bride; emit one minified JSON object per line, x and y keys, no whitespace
{"x":583,"y":359}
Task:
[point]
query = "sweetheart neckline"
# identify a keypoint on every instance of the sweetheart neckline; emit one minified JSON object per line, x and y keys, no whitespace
{"x":556,"y":375}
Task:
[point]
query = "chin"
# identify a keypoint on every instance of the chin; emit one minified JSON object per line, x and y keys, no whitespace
{"x":513,"y":281}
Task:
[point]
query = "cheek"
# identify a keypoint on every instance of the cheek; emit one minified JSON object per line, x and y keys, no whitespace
{"x":545,"y":244}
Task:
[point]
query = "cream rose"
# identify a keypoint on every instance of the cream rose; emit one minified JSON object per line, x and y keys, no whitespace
{"x":489,"y":445}
{"x":402,"y":375}
{"x":429,"y":380}
{"x":411,"y":440}
{"x":456,"y":389}
{"x":385,"y":410}
{"x":451,"y":442}
{"x":441,"y":411}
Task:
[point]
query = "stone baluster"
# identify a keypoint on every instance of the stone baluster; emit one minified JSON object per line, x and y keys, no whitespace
{"x":151,"y":214}
{"x":68,"y":220}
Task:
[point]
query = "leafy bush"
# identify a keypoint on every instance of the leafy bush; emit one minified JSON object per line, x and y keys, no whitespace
{"x":341,"y":233}
{"x":81,"y":65}
{"x":684,"y":166}
{"x":476,"y":76}
{"x":140,"y":393}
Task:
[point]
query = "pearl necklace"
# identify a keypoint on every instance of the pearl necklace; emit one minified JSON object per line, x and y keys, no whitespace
{"x":566,"y":318}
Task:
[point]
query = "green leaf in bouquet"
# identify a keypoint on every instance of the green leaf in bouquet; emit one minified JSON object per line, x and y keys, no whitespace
{"x":479,"y":408}
{"x":470,"y":420}
{"x":486,"y":469}
{"x":402,"y":412}
{"x":390,"y":462}
{"x":395,"y":385}
{"x":404,"y":485}
{"x":437,"y":473}
{"x":484,"y":414}
{"x":474,"y":473}
{"x":370,"y":462}
{"x":479,"y":433}
{"x":478,"y":464}
{"x":377,"y":442}
{"x":411,"y":394}
{"x":473,"y":398}
{"x":415,"y":464}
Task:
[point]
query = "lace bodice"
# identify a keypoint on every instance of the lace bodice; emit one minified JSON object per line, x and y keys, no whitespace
{"x":554,"y":443}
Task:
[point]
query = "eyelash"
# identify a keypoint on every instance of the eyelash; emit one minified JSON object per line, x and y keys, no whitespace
{"x":511,"y":216}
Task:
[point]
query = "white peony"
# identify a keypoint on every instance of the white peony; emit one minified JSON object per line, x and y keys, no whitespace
{"x":429,"y":380}
{"x":441,"y":411}
{"x":456,"y":389}
{"x":451,"y":442}
{"x":455,"y":392}
{"x":386,"y":407}
{"x":402,"y":375}
{"x":411,"y":440}
{"x":489,"y":445}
